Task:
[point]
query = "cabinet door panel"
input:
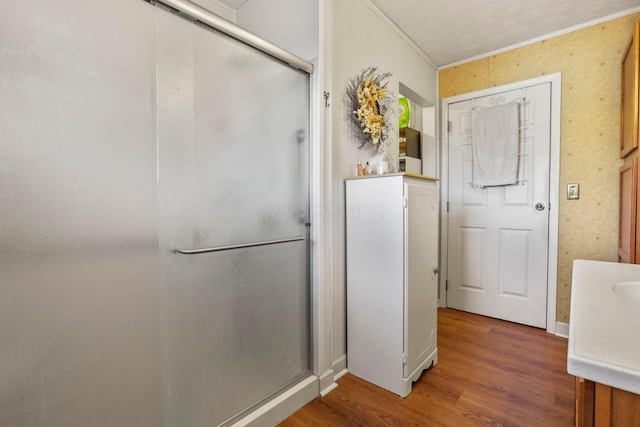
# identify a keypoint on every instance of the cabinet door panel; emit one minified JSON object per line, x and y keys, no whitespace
{"x":585,"y":399}
{"x":629,"y":120}
{"x":628,"y":211}
{"x":422,"y":284}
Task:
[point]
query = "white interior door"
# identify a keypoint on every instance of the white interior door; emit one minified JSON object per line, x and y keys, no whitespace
{"x":498,"y":237}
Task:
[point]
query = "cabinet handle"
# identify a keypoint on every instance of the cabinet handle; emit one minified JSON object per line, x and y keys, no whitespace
{"x":435,"y":270}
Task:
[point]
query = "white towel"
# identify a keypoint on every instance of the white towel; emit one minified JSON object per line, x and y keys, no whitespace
{"x":495,"y":137}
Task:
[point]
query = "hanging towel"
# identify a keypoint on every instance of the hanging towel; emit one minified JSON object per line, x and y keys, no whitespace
{"x":495,"y":137}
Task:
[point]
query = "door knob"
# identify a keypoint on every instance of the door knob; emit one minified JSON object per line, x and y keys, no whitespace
{"x":540,"y":206}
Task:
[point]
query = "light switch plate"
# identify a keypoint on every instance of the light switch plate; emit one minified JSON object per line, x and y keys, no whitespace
{"x":573,"y":191}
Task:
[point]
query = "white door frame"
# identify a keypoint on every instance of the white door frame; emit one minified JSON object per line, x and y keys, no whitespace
{"x":554,"y":185}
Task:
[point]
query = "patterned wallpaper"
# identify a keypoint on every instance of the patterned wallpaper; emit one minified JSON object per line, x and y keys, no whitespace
{"x":589,"y":60}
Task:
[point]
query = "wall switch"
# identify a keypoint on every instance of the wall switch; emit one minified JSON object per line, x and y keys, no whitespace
{"x":573,"y":191}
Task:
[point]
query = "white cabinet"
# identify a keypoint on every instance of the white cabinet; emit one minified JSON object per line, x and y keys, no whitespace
{"x":392,"y":286}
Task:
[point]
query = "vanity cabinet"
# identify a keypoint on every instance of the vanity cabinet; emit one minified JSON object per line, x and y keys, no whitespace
{"x":603,"y":347}
{"x":603,"y":406}
{"x":392,"y":271}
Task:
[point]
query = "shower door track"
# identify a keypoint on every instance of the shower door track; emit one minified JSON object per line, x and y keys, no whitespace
{"x":201,"y":14}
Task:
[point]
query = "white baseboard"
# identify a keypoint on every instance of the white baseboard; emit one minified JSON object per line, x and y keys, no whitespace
{"x":328,"y":389}
{"x":562,"y":329}
{"x":282,"y":406}
{"x":339,"y":366}
{"x":340,"y":374}
{"x":327,"y":382}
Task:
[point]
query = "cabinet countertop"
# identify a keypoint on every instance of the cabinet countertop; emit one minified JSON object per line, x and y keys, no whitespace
{"x":604,"y":329}
{"x":409,"y":174}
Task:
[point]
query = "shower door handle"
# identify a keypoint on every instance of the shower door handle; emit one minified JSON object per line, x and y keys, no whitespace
{"x":239,"y":246}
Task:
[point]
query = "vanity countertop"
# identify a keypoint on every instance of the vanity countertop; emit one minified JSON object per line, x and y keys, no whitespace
{"x":604,"y":329}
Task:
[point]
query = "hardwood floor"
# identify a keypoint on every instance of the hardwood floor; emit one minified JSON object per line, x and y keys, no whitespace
{"x":490,"y":373}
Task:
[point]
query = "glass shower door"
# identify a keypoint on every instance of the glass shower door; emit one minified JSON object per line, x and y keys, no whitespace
{"x":233,"y":168}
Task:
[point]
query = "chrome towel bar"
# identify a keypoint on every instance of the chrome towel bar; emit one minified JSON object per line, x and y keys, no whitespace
{"x":239,"y":246}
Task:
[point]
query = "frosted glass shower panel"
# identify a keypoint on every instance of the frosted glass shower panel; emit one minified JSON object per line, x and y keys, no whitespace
{"x":78,"y":215}
{"x":242,"y":118}
{"x":233,"y":169}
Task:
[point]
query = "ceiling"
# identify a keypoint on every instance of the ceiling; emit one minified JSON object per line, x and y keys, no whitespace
{"x":450,"y":31}
{"x":234,"y":4}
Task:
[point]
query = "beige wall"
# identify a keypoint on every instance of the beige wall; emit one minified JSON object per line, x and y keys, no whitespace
{"x":589,"y":60}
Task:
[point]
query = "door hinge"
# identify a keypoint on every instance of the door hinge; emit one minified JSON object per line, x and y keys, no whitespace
{"x":405,"y":202}
{"x":326,"y":98}
{"x":448,"y":126}
{"x":404,"y":358}
{"x":446,"y":285}
{"x":447,"y":206}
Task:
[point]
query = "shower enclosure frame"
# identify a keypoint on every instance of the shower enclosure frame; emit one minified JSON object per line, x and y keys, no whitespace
{"x":323,"y":377}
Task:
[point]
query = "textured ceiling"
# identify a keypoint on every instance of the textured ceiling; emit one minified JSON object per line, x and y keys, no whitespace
{"x":450,"y":31}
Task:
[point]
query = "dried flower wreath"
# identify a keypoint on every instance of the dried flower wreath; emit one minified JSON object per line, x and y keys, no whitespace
{"x":368,"y":105}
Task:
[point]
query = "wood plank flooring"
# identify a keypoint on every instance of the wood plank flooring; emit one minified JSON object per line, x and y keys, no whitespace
{"x":490,"y":373}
